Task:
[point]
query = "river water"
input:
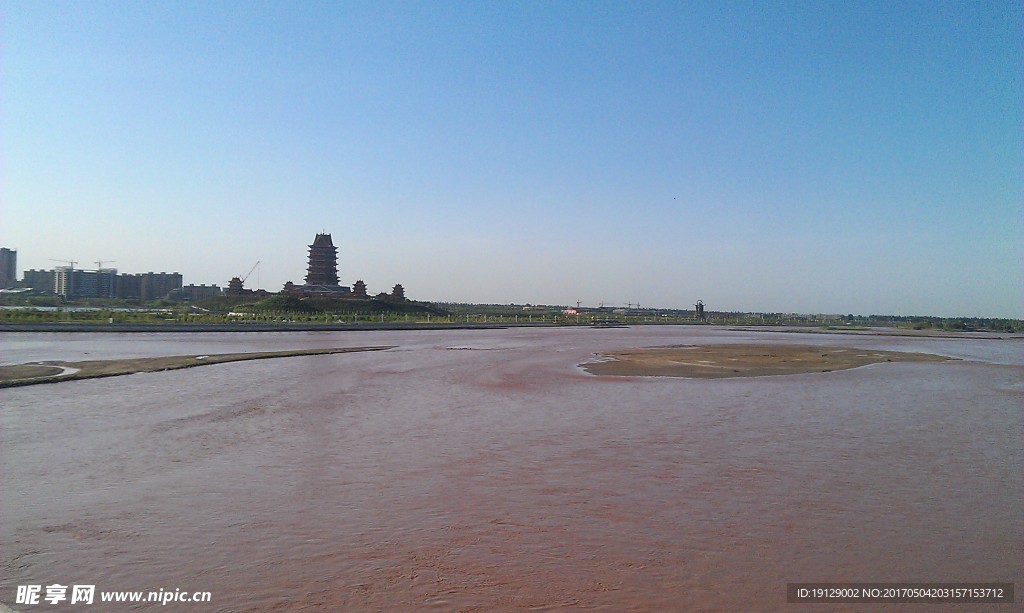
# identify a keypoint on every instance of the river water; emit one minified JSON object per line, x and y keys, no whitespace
{"x":483,"y":470}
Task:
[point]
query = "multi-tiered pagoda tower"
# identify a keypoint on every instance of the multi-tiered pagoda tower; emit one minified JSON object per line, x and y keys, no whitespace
{"x":323,"y":262}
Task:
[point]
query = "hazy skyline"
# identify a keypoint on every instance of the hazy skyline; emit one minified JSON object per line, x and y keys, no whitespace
{"x":783,"y":156}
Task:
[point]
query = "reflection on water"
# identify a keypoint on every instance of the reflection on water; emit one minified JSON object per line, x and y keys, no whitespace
{"x":502,"y":476}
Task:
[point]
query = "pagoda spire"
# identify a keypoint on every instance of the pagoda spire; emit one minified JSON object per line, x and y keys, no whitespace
{"x":323,"y":261}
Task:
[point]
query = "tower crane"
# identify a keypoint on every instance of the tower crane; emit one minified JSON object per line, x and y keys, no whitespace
{"x":99,"y":263}
{"x":250,"y":271}
{"x":236,"y":286}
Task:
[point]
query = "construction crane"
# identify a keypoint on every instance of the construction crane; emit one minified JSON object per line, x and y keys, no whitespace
{"x":72,"y":262}
{"x":99,"y":263}
{"x":236,"y":287}
{"x":250,"y":271}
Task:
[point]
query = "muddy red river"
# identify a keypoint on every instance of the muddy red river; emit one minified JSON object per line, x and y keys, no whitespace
{"x":485,"y":470}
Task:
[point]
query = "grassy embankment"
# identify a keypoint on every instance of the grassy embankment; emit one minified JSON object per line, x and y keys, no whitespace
{"x":279,"y":308}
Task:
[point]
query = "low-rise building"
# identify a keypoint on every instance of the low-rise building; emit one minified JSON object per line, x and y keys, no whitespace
{"x":39,"y":280}
{"x":148,"y":286}
{"x":200,"y":292}
{"x":77,"y":283}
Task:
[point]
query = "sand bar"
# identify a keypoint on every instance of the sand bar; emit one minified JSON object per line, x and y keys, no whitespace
{"x":54,"y":371}
{"x":748,"y":360}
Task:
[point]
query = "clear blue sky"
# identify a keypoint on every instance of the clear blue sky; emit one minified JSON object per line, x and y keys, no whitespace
{"x":829,"y":157}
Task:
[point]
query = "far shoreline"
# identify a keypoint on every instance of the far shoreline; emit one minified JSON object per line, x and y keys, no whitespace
{"x":253,"y":327}
{"x":92,"y":327}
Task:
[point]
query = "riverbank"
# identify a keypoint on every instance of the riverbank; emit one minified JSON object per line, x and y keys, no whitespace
{"x":55,"y":371}
{"x":367,"y":326}
{"x":252,"y":327}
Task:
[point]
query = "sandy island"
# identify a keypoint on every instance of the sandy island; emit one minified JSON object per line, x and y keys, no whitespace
{"x":721,"y":361}
{"x":53,"y":371}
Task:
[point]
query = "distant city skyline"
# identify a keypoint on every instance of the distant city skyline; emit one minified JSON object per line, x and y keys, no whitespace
{"x":859,"y":158}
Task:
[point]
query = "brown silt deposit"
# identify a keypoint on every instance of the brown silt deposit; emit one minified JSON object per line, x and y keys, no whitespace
{"x":53,"y":371}
{"x":722,"y":361}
